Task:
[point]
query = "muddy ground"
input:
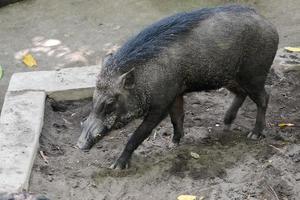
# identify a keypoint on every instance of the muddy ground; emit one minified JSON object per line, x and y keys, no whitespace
{"x":229,"y":165}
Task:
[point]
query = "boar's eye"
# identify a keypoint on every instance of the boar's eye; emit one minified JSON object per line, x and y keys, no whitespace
{"x":109,"y":108}
{"x":98,"y":107}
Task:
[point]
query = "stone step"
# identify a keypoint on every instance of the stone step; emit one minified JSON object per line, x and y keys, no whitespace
{"x":21,"y":123}
{"x":65,"y":84}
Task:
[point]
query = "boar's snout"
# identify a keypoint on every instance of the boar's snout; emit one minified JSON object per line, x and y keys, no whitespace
{"x":84,"y":144}
{"x":92,"y":131}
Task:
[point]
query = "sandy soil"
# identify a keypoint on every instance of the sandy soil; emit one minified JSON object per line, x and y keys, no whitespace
{"x":229,"y":165}
{"x":72,"y":33}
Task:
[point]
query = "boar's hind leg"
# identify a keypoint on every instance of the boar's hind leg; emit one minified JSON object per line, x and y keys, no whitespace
{"x":261,"y":99}
{"x":152,"y":119}
{"x":177,"y":115}
{"x":237,"y":102}
{"x":233,"y":110}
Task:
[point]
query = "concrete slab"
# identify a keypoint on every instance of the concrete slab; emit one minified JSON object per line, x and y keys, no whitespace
{"x":65,"y":84}
{"x":285,"y":62}
{"x":22,"y":117}
{"x":21,"y":123}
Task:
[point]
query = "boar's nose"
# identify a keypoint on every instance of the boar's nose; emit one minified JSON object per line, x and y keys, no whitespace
{"x":85,"y":141}
{"x":84,"y":146}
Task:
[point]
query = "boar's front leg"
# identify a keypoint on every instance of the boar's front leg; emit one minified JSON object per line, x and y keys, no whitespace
{"x":177,"y":117}
{"x":153,"y":118}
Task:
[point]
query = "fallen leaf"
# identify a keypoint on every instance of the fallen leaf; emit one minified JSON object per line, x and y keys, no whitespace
{"x":195,"y":155}
{"x":1,"y":72}
{"x":292,"y":49}
{"x":29,"y":61}
{"x":201,"y":198}
{"x":116,"y":28}
{"x":45,"y":158}
{"x":186,"y":197}
{"x":113,"y":49}
{"x":283,"y":125}
{"x":66,"y":121}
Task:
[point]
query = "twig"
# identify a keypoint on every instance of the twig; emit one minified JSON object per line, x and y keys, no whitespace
{"x":273,"y":192}
{"x":154,"y":136}
{"x":155,"y":144}
{"x":66,"y":121}
{"x":45,"y":158}
{"x":279,"y":150}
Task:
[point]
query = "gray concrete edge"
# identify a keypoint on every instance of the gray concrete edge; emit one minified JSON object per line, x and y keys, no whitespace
{"x":62,"y":93}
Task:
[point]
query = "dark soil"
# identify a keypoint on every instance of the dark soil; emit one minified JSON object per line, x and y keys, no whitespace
{"x":229,"y":165}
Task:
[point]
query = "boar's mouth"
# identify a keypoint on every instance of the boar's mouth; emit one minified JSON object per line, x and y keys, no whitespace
{"x":89,"y":143}
{"x":90,"y":135}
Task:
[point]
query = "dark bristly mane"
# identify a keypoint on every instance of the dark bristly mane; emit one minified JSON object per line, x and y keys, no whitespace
{"x":153,"y":39}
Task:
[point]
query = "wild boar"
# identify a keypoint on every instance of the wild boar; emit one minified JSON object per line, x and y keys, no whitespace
{"x":230,"y":46}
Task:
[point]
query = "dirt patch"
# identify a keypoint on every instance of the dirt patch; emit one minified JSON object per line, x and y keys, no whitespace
{"x":229,"y":165}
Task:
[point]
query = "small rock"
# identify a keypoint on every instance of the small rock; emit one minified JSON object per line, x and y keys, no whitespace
{"x":282,"y":56}
{"x":50,"y":178}
{"x":295,"y":157}
{"x":195,"y":155}
{"x":197,"y":118}
{"x":165,"y":133}
{"x":293,"y":57}
{"x":75,"y":185}
{"x":297,"y":177}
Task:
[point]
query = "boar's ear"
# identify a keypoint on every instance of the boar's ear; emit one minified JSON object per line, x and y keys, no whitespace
{"x":126,"y":80}
{"x":106,"y":58}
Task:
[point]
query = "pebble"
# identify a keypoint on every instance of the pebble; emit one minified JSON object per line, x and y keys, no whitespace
{"x":297,"y":177}
{"x":50,"y":178}
{"x":75,"y":185}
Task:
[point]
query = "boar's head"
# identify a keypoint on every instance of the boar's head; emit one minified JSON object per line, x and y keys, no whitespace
{"x":111,"y":100}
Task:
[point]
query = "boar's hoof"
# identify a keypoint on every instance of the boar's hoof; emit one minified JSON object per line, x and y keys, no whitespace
{"x":227,"y":127}
{"x":120,"y":164}
{"x":173,"y":145}
{"x":176,"y":138}
{"x":254,"y":136}
{"x":176,"y":141}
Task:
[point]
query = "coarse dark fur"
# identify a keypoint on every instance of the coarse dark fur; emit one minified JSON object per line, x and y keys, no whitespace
{"x":230,"y":46}
{"x":7,"y":2}
{"x":153,"y":39}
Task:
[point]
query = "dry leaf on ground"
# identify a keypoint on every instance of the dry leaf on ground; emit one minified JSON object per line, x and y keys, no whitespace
{"x":292,"y":49}
{"x":283,"y":125}
{"x":29,"y":61}
{"x":1,"y":72}
{"x":186,"y":197}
